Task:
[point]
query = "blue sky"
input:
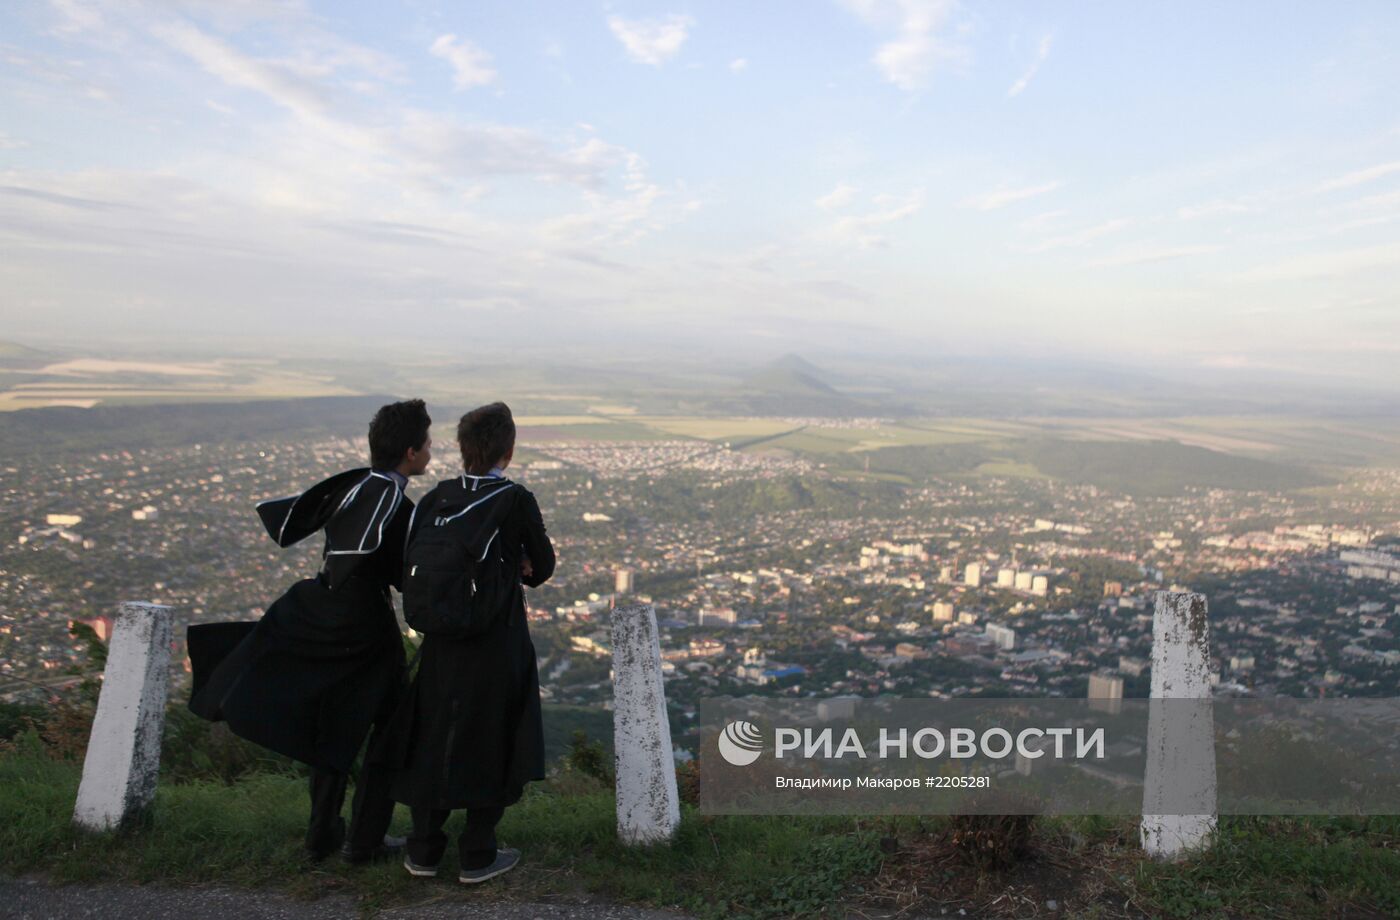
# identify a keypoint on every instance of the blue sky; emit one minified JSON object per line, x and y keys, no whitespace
{"x":1196,"y":184}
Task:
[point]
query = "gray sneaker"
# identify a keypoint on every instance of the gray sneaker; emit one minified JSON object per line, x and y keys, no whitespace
{"x":506,"y":859}
{"x":416,"y":870}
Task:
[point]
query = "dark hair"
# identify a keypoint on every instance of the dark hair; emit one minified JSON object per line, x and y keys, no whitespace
{"x":485,"y":434}
{"x":394,"y":429}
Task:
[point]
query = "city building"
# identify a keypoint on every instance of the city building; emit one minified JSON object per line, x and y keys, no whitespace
{"x":1106,"y":692}
{"x":1003,"y":637}
{"x":718,"y":616}
{"x":1134,"y":667}
{"x":1361,"y":563}
{"x":622,"y":581}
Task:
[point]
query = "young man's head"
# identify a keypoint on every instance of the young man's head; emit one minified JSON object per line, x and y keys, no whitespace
{"x":398,"y":438}
{"x":486,"y":436}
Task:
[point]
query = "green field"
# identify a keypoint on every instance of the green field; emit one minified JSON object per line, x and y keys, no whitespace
{"x":1148,"y":455}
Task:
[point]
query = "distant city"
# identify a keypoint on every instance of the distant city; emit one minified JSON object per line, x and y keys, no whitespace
{"x":770,"y":575}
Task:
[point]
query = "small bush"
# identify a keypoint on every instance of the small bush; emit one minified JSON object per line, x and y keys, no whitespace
{"x":17,"y":717}
{"x":589,"y":757}
{"x":194,"y":749}
{"x":67,"y":727}
{"x":993,"y":842}
{"x":688,"y":782}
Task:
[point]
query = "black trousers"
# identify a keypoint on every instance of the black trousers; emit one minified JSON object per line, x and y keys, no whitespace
{"x":476,"y":845}
{"x":370,"y":812}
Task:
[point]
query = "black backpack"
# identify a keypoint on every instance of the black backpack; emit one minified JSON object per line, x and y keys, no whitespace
{"x":455,"y":583}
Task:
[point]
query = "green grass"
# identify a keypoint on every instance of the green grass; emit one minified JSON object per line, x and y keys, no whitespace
{"x":249,"y":834}
{"x":1285,"y":867}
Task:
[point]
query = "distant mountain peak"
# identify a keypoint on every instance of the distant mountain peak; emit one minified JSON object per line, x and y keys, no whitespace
{"x":10,"y":349}
{"x":790,"y":375}
{"x":793,"y":361}
{"x":13,"y":354}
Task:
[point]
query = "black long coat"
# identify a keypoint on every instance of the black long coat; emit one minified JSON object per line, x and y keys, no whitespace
{"x":469,"y":732}
{"x":326,"y":659}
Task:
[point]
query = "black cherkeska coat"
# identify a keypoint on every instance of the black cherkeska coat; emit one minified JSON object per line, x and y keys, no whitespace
{"x":469,"y":732}
{"x":326,"y":659}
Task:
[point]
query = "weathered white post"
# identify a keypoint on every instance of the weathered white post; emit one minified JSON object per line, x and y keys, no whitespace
{"x":123,"y":754}
{"x":648,"y":805}
{"x":1180,"y":773}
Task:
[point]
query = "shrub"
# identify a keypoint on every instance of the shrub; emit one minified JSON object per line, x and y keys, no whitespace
{"x":688,"y":782}
{"x":588,"y":757}
{"x":993,"y":842}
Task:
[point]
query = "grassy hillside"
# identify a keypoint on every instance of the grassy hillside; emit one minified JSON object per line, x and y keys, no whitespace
{"x":115,"y":427}
{"x":15,"y":352}
{"x":1158,"y":467}
{"x":248,"y":833}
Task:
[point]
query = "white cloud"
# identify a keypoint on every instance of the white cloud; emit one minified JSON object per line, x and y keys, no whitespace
{"x":643,"y":208}
{"x":1142,"y":256}
{"x":283,"y":85}
{"x":1003,"y":196}
{"x":838,"y":197}
{"x":1042,"y":52}
{"x":739,"y":65}
{"x":443,"y":147}
{"x":1213,"y":209}
{"x":1043,"y":220}
{"x":651,"y":41}
{"x":1360,"y":177}
{"x":1228,"y":362}
{"x":859,"y":229}
{"x":77,"y":16}
{"x":427,"y":148}
{"x":1082,"y":237}
{"x":470,"y":65}
{"x":918,"y":48}
{"x":1327,"y":264}
{"x":1385,"y":201}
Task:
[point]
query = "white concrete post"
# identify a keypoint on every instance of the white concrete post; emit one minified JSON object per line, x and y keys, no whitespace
{"x":648,"y":805}
{"x":123,"y":754}
{"x":1180,"y":735}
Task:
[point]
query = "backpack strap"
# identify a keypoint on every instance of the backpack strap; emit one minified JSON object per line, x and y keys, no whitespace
{"x":444,"y":519}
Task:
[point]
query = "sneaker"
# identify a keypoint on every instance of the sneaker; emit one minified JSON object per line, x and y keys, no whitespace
{"x":416,"y":870}
{"x":505,"y":861}
{"x":326,"y":844}
{"x":388,"y":848}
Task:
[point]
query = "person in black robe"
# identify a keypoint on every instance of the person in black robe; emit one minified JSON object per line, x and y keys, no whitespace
{"x":326,"y":661}
{"x":469,"y":732}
